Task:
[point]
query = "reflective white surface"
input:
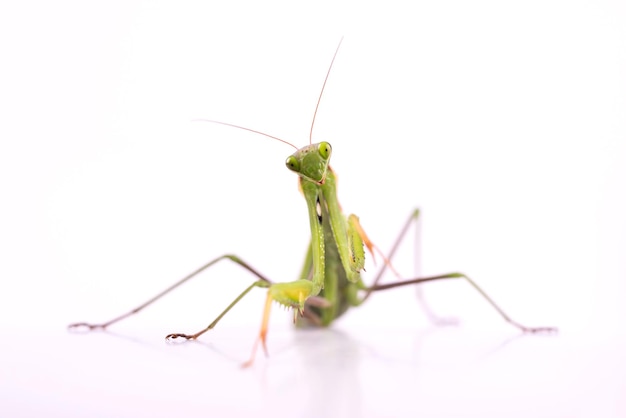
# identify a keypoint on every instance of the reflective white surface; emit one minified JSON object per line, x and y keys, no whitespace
{"x":364,"y":372}
{"x":503,"y":123}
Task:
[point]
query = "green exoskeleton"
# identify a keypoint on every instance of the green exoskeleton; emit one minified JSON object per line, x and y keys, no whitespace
{"x":330,"y":282}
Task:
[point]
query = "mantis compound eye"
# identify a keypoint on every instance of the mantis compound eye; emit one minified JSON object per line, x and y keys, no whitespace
{"x":324,"y":149}
{"x":292,"y":163}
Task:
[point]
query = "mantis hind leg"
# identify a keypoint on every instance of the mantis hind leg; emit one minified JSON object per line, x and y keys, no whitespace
{"x":292,"y":294}
{"x":485,"y":296}
{"x":377,"y":287}
{"x":428,"y":311}
{"x":413,"y":219}
{"x":262,"y":282}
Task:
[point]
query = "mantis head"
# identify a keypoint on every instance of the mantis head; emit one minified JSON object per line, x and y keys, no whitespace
{"x":311,"y":162}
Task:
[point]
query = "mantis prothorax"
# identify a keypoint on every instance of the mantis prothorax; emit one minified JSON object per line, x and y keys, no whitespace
{"x":330,"y":280}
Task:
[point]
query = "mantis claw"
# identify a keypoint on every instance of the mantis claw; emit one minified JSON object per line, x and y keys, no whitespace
{"x":170,"y":337}
{"x":535,"y":330}
{"x":84,"y":326}
{"x":540,"y":330}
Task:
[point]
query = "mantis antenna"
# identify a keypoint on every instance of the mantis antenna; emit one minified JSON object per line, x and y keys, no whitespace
{"x":322,"y":92}
{"x":319,"y":99}
{"x":245,"y":129}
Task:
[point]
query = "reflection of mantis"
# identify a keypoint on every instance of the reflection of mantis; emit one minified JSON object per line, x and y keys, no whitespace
{"x":330,"y":280}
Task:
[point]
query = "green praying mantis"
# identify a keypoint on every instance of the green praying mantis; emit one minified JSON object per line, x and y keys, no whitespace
{"x":330,"y":281}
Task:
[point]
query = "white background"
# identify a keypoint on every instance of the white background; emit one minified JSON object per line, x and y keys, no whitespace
{"x":503,"y":123}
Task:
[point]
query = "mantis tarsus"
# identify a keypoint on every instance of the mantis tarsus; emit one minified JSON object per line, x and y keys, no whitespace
{"x":330,"y":280}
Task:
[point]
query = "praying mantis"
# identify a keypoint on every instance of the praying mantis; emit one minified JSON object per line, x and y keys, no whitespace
{"x":330,"y":281}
